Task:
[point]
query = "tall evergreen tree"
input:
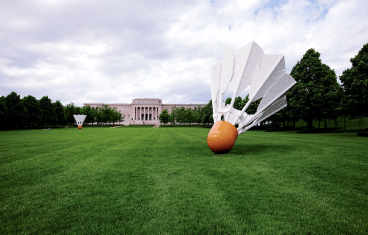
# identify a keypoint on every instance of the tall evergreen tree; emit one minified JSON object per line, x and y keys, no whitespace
{"x":355,"y":84}
{"x":33,"y":110}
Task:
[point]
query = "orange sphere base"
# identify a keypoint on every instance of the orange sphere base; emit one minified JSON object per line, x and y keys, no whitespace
{"x":222,"y":137}
{"x":79,"y":127}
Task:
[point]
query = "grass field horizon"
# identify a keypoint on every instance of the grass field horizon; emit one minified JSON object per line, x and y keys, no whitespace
{"x":355,"y":124}
{"x":167,"y":181}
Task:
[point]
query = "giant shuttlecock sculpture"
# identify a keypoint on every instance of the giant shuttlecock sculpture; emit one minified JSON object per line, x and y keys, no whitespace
{"x":266,"y":76}
{"x":79,"y":119}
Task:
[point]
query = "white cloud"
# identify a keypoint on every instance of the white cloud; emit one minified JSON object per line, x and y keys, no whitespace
{"x":113,"y":52}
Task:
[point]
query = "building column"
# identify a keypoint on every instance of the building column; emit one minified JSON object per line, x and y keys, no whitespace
{"x":144,"y":113}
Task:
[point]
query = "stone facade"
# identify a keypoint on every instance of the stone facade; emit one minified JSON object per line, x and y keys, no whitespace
{"x":143,"y":111}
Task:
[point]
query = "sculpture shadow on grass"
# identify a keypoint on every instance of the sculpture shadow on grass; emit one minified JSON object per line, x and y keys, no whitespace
{"x":255,"y":149}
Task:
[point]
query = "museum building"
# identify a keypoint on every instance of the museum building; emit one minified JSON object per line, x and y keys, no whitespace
{"x":144,"y":110}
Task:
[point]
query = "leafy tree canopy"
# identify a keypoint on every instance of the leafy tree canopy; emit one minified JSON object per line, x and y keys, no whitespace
{"x":34,"y":114}
{"x":355,"y":85}
{"x":164,"y":116}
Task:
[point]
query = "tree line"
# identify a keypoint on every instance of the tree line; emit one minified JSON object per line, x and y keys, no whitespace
{"x":202,"y":115}
{"x":28,"y":112}
{"x":316,"y":96}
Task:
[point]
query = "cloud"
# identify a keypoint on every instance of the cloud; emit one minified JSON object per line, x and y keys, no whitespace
{"x":113,"y":52}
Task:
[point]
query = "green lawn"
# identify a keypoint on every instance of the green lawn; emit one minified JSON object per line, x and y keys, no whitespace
{"x":167,"y":181}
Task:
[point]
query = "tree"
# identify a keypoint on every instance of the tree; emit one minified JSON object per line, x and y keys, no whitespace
{"x":180,"y":115}
{"x":238,"y":103}
{"x":94,"y":115}
{"x":119,"y":117}
{"x":199,"y":115}
{"x":33,"y":110}
{"x":173,"y":115}
{"x":343,"y":109}
{"x":195,"y":114}
{"x":98,"y":115}
{"x":207,"y":114}
{"x":189,"y":115}
{"x":112,"y":117}
{"x":48,"y":111}
{"x":78,"y":110}
{"x":227,"y":101}
{"x":105,"y":113}
{"x":115,"y":115}
{"x":308,"y":92}
{"x":331,"y":95}
{"x":355,"y":84}
{"x":3,"y":112}
{"x":16,"y":112}
{"x":87,"y":110}
{"x":70,"y":110}
{"x":59,"y":113}
{"x":293,"y":109}
{"x":252,"y":108}
{"x":164,"y":116}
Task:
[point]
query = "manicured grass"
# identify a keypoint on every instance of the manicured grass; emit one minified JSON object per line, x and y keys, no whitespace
{"x":167,"y":181}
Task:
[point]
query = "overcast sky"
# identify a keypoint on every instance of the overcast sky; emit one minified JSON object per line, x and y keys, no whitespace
{"x":86,"y":51}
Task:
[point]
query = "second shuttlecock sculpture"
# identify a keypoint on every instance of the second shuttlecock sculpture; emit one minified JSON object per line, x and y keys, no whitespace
{"x":80,"y":119}
{"x":266,"y":76}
